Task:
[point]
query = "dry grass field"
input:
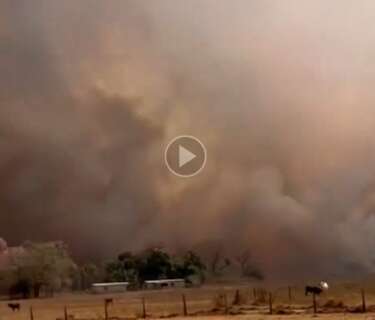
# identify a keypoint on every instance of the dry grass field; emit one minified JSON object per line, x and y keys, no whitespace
{"x":340,"y":302}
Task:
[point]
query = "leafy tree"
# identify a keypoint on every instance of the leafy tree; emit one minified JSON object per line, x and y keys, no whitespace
{"x":43,"y":264}
{"x":22,"y":286}
{"x":88,"y":274}
{"x":125,"y":268}
{"x":191,"y":264}
{"x":153,"y":264}
{"x":194,"y":262}
{"x":130,"y":264}
{"x":115,"y":271}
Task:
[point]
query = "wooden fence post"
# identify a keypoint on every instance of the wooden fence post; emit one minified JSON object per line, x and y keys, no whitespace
{"x":184,"y":305}
{"x":226,"y":303}
{"x":144,"y":314}
{"x":270,"y":302}
{"x":105,"y":310}
{"x":65,"y":313}
{"x":31,"y":313}
{"x":237,"y":297}
{"x":363,"y":300}
{"x":314,"y":303}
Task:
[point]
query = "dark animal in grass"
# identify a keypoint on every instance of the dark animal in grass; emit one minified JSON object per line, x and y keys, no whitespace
{"x":323,"y":286}
{"x":14,"y":306}
{"x":313,"y":290}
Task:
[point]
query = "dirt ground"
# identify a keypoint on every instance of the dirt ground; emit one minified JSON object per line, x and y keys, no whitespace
{"x":212,"y":302}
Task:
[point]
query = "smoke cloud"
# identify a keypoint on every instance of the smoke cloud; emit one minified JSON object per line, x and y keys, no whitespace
{"x":280,"y":92}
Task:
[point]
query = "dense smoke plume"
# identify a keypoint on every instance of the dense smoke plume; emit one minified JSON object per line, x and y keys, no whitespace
{"x":281,"y":93}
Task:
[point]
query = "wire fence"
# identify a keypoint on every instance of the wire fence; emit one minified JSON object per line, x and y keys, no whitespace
{"x":180,"y":303}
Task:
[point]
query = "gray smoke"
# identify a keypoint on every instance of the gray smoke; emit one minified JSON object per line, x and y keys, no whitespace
{"x":280,"y":92}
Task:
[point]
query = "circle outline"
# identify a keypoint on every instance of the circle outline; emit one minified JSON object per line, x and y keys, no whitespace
{"x":204,"y":153}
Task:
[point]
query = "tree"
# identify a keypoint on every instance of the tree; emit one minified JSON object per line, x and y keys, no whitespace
{"x":248,"y":267}
{"x":130,"y":266}
{"x":43,"y":264}
{"x":153,"y":264}
{"x":88,"y":274}
{"x":190,"y":264}
{"x":218,"y":262}
{"x":22,"y":286}
{"x":115,"y":271}
{"x":243,"y":260}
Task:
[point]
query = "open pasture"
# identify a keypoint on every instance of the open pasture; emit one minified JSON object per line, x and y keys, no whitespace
{"x":214,"y":302}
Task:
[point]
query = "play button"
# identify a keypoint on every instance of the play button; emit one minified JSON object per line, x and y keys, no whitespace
{"x":185,"y":156}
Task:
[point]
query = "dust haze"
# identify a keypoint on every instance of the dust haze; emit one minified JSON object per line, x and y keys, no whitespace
{"x":281,"y":93}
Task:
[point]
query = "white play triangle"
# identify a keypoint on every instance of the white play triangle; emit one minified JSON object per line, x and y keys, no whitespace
{"x":184,"y":156}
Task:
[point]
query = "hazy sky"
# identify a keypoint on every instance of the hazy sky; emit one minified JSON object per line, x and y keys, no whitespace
{"x":281,"y":93}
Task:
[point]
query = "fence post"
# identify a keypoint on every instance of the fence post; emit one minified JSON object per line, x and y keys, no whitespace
{"x":31,"y":313}
{"x":105,"y":310}
{"x":184,"y":305}
{"x":314,"y":303}
{"x":237,"y":298}
{"x":65,"y":313}
{"x":363,"y":300}
{"x":226,"y":303}
{"x":144,"y":314}
{"x":270,"y":302}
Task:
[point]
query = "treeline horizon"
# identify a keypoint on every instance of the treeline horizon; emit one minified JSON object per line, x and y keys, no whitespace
{"x":42,"y":268}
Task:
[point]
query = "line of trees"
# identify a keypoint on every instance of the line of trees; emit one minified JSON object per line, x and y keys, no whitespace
{"x":42,"y":268}
{"x":154,"y":264}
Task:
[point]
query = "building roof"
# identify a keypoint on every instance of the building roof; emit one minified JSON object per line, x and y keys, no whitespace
{"x":110,"y":284}
{"x":164,"y":281}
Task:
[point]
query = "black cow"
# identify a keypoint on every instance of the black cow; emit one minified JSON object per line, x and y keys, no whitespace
{"x":313,"y":290}
{"x":14,"y":306}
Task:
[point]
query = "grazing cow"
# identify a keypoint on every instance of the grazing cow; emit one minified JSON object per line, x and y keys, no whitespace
{"x":14,"y":306}
{"x":316,"y":289}
{"x":313,"y":290}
